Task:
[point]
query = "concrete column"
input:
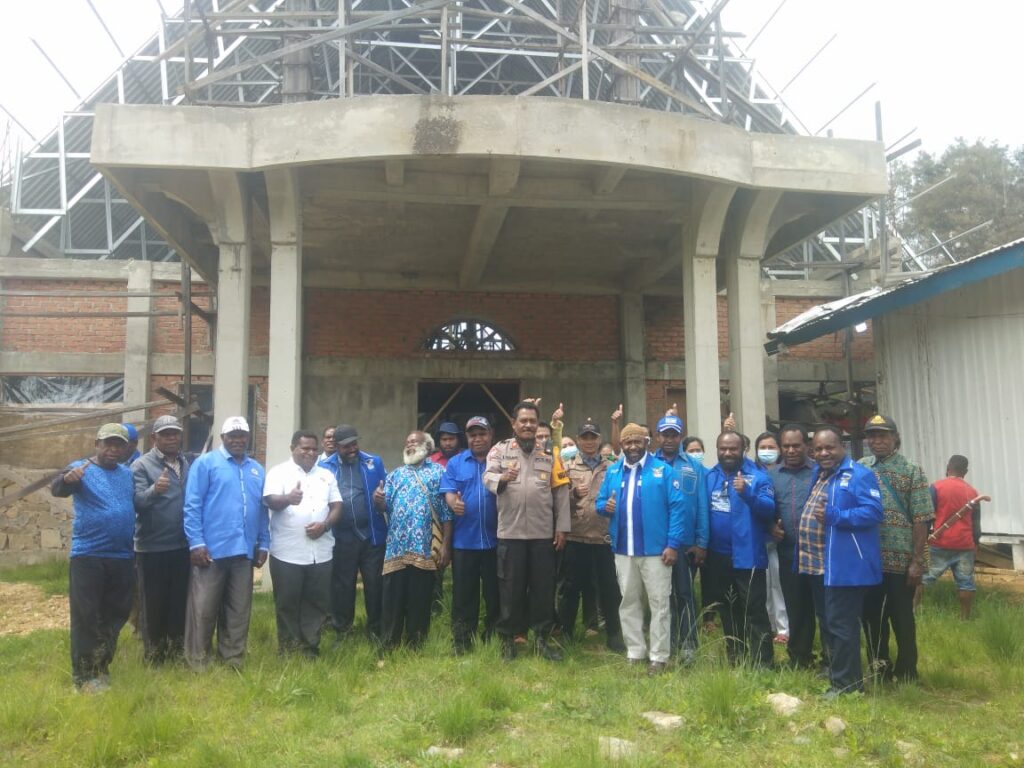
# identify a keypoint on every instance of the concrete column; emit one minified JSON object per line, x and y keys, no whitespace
{"x":285,"y":363}
{"x":771,"y":364}
{"x":231,"y":230}
{"x":700,"y":325}
{"x":746,"y":368}
{"x":634,"y":357}
{"x":138,"y":332}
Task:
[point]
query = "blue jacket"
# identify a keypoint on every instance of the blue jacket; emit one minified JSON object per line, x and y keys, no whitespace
{"x":373,"y":472}
{"x":691,"y":476}
{"x":853,"y":513}
{"x":751,"y":514}
{"x":224,"y":509}
{"x":477,"y":527}
{"x":668,"y":514}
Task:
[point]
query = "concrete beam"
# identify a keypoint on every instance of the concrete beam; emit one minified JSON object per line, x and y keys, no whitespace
{"x":607,"y":179}
{"x":503,"y":176}
{"x":285,"y":385}
{"x":634,"y":357}
{"x":792,"y":373}
{"x":138,"y":334}
{"x":80,"y":270}
{"x":394,"y":172}
{"x":489,"y":220}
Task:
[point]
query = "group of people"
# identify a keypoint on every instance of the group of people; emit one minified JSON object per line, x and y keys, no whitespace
{"x":531,"y":527}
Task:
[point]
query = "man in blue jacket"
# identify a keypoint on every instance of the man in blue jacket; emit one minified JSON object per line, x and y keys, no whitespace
{"x":651,"y":518}
{"x":361,"y":533}
{"x":691,"y":476}
{"x":228,"y":532}
{"x":742,"y":510}
{"x":838,"y":548}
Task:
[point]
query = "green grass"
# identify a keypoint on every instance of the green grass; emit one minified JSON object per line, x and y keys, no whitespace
{"x":51,"y":576}
{"x":351,"y":708}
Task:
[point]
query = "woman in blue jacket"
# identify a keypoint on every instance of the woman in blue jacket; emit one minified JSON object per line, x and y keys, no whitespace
{"x":838,"y":546}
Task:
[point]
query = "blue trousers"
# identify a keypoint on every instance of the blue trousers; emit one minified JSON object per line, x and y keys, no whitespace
{"x":839,"y":610}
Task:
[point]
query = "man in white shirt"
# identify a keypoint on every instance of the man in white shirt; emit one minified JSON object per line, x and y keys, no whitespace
{"x":305,"y":503}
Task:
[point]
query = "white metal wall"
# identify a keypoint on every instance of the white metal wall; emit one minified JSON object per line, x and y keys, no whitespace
{"x":951,"y":373}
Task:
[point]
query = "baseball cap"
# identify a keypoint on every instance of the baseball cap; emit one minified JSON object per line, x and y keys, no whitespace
{"x":670,"y":424}
{"x":880,"y":423}
{"x":234,"y":424}
{"x":166,"y":422}
{"x":478,"y":421}
{"x":133,"y":433}
{"x":112,"y":430}
{"x":588,"y":427}
{"x":345,"y":434}
{"x":448,"y":428}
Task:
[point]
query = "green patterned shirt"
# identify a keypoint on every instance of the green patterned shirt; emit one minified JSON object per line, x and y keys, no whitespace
{"x":912,"y":502}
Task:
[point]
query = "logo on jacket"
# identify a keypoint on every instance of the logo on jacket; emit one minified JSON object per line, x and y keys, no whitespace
{"x":875,"y":494}
{"x":255,"y":472}
{"x":369,"y":463}
{"x":658,"y":471}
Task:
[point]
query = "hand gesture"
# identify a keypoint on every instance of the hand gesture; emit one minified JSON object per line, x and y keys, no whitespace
{"x":609,"y":506}
{"x":669,"y":556}
{"x":557,"y":415}
{"x":580,"y":491}
{"x":295,"y":496}
{"x":316,"y":530}
{"x":617,"y":414}
{"x":162,"y":483}
{"x":200,"y":557}
{"x":378,"y":495}
{"x":739,"y":483}
{"x":459,"y":507}
{"x":777,"y":531}
{"x":698,"y":554}
{"x":74,"y":476}
{"x":511,"y":473}
{"x":729,"y":425}
{"x":673,"y":411}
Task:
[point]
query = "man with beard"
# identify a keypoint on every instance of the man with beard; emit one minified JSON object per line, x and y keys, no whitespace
{"x":100,"y":572}
{"x":413,"y":497}
{"x":359,"y":534}
{"x":742,"y":510}
{"x":533,"y":520}
{"x":305,"y":503}
{"x":228,"y":535}
{"x":474,"y":537}
{"x":161,"y":550}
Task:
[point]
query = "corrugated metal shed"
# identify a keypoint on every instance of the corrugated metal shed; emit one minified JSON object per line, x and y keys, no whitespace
{"x":951,"y":372}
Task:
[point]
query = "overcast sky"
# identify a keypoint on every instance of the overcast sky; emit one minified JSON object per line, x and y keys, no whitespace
{"x":947,"y":69}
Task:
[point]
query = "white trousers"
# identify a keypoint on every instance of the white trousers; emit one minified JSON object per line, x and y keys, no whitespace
{"x":776,"y":603}
{"x":637,"y":576}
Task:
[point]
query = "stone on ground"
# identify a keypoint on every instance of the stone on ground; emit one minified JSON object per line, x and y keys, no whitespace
{"x":783,"y":703}
{"x":616,"y":749}
{"x":663,"y":721}
{"x":834,"y":725}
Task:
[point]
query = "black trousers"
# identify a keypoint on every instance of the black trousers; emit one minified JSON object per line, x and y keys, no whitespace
{"x":526,"y":587}
{"x":354,"y":556}
{"x":740,"y":596}
{"x":302,"y":598}
{"x":100,"y":597}
{"x":474,"y":571}
{"x":798,"y":596}
{"x":891,"y":604}
{"x":408,"y":594}
{"x":839,"y":609}
{"x":684,"y":609}
{"x":582,"y":564}
{"x":163,"y":598}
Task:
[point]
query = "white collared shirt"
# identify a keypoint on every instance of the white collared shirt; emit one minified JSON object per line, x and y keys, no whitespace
{"x":630,"y":492}
{"x":288,"y":540}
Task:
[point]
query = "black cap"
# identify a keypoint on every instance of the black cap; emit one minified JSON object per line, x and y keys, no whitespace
{"x":588,"y":427}
{"x":448,"y":428}
{"x":345,"y":434}
{"x":880,"y":423}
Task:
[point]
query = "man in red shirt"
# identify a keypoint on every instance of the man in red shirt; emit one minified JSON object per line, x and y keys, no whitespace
{"x":952,"y":542}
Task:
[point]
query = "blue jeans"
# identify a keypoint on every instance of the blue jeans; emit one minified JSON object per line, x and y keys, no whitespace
{"x":959,"y":561}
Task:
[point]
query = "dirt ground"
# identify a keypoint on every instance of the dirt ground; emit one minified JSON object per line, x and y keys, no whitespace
{"x":24,"y":608}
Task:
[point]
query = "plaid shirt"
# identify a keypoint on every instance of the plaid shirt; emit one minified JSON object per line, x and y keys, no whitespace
{"x":914,"y":503}
{"x":811,"y":536}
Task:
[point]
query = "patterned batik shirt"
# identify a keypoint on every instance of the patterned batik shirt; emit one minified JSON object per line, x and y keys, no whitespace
{"x":811,"y":535}
{"x":413,"y":496}
{"x":911,"y":503}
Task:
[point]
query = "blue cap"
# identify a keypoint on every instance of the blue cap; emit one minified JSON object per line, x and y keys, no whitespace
{"x":133,"y":433}
{"x":670,"y":424}
{"x":448,"y":428}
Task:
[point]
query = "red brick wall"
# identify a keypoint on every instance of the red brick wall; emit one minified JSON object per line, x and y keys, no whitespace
{"x":382,"y":324}
{"x":167,"y":333}
{"x":58,"y":334}
{"x":664,"y":332}
{"x":828,"y":347}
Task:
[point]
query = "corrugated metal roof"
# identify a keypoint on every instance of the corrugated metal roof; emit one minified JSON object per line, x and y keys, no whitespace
{"x":842,"y":313}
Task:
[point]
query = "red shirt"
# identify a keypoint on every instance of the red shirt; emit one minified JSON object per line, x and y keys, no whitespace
{"x":439,"y":458}
{"x":951,"y":493}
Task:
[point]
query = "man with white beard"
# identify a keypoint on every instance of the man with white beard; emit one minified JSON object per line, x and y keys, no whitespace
{"x":413,"y":497}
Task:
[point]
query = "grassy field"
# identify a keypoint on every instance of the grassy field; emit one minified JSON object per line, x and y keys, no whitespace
{"x":351,"y":709}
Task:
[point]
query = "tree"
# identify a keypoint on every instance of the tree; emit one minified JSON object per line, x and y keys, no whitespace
{"x":988,"y":184}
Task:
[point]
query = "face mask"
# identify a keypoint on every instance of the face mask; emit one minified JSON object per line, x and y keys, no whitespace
{"x":768,"y":456}
{"x":569,"y":452}
{"x":698,"y":455}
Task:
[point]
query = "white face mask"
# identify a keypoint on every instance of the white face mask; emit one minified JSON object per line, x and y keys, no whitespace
{"x":698,"y":455}
{"x":767,"y":456}
{"x":569,"y":452}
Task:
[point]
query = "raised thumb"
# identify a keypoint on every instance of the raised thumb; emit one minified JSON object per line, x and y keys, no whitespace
{"x":298,"y":486}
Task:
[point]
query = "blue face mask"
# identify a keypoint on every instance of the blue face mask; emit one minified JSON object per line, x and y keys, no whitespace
{"x":698,"y":455}
{"x":569,"y":452}
{"x":767,"y":456}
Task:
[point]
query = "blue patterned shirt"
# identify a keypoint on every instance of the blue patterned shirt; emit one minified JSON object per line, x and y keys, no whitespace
{"x":413,"y":497}
{"x":104,"y":509}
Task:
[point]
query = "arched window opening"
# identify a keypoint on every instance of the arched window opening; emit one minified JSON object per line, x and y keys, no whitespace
{"x":468,"y":336}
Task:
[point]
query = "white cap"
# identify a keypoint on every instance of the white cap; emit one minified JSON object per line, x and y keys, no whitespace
{"x":235,"y":424}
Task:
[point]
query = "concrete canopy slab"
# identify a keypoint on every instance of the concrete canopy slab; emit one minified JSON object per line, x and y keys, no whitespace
{"x":475,"y":192}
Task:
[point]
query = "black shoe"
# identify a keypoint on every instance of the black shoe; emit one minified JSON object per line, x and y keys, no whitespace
{"x":508,"y":649}
{"x":656,"y":668}
{"x":616,"y":645}
{"x":547,"y":651}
